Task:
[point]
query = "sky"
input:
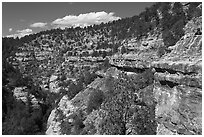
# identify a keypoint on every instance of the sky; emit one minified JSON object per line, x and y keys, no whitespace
{"x":23,"y":18}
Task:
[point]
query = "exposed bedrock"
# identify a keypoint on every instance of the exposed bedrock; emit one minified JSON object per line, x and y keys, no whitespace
{"x":182,"y":67}
{"x":180,"y":79}
{"x":107,"y":107}
{"x":178,"y":110}
{"x":177,"y":87}
{"x":130,"y":69}
{"x":161,"y":105}
{"x":140,"y":94}
{"x":178,"y":94}
{"x":22,"y":94}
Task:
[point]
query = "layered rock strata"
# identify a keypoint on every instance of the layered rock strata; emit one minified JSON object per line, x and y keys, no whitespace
{"x":141,"y":94}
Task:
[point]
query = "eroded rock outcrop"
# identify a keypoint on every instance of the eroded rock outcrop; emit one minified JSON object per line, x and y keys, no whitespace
{"x":178,"y":110}
{"x":54,"y":84}
{"x":153,"y":86}
{"x":189,"y":80}
{"x":99,"y":109}
{"x":22,"y":94}
{"x":179,"y":74}
{"x":143,"y":92}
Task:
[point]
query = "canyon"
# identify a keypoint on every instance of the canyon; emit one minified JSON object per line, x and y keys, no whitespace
{"x":100,"y":81}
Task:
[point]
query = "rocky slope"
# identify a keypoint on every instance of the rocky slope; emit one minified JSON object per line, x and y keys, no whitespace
{"x":164,"y":95}
{"x":136,"y":76}
{"x":178,"y":83}
{"x":100,"y":108}
{"x":182,"y":68}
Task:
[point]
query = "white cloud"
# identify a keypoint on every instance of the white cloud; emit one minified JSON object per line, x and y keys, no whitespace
{"x":38,"y":25}
{"x":83,"y":20}
{"x":24,"y":31}
{"x":21,"y":33}
{"x":10,"y":29}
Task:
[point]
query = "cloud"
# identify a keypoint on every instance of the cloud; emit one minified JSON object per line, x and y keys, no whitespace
{"x":83,"y":20}
{"x":21,"y":33}
{"x":24,"y":31}
{"x":10,"y":29}
{"x":38,"y":25}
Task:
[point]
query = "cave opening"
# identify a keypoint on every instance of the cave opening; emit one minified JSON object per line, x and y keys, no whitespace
{"x":130,"y":69}
{"x":171,"y":71}
{"x":168,"y":83}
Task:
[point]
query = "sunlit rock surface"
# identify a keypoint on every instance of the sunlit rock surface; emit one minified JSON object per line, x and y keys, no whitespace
{"x":178,"y":110}
{"x":178,"y":81}
{"x":100,"y":108}
{"x":95,"y":81}
{"x":22,"y":94}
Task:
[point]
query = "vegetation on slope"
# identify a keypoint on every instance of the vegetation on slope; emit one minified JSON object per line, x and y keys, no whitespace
{"x":167,"y":19}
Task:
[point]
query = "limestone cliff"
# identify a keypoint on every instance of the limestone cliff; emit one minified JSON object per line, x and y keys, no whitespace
{"x":141,"y":94}
{"x":135,"y":76}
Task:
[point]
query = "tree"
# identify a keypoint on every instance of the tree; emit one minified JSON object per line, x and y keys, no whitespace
{"x":89,"y":77}
{"x":72,"y":91}
{"x":95,"y":53}
{"x":193,"y":10}
{"x":161,"y":51}
{"x":177,"y":29}
{"x":123,"y":50}
{"x":104,"y":54}
{"x":106,"y":64}
{"x":178,"y":11}
{"x":115,"y":48}
{"x":168,"y":38}
{"x":95,"y":100}
{"x":166,"y":16}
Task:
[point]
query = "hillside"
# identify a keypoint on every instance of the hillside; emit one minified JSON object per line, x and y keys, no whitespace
{"x":135,"y":76}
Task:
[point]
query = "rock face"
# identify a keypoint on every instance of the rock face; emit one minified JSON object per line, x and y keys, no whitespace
{"x":99,"y":109}
{"x":184,"y":64}
{"x":189,"y":80}
{"x":125,"y":77}
{"x":22,"y":94}
{"x":178,"y":110}
{"x":141,"y":94}
{"x":183,"y":73}
{"x":178,"y":82}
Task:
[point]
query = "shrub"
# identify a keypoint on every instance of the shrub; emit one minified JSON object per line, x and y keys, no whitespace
{"x":161,"y":51}
{"x":109,"y":82}
{"x":115,"y":48}
{"x":65,"y":128}
{"x":71,"y":128}
{"x":168,"y":38}
{"x":95,"y":100}
{"x":22,"y":119}
{"x":72,"y":90}
{"x":193,"y":11}
{"x":104,"y":54}
{"x":177,"y":29}
{"x":89,"y":77}
{"x":142,"y":122}
{"x":75,"y":88}
{"x":63,"y":77}
{"x":106,"y":64}
{"x":123,"y":50}
{"x":95,"y":53}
